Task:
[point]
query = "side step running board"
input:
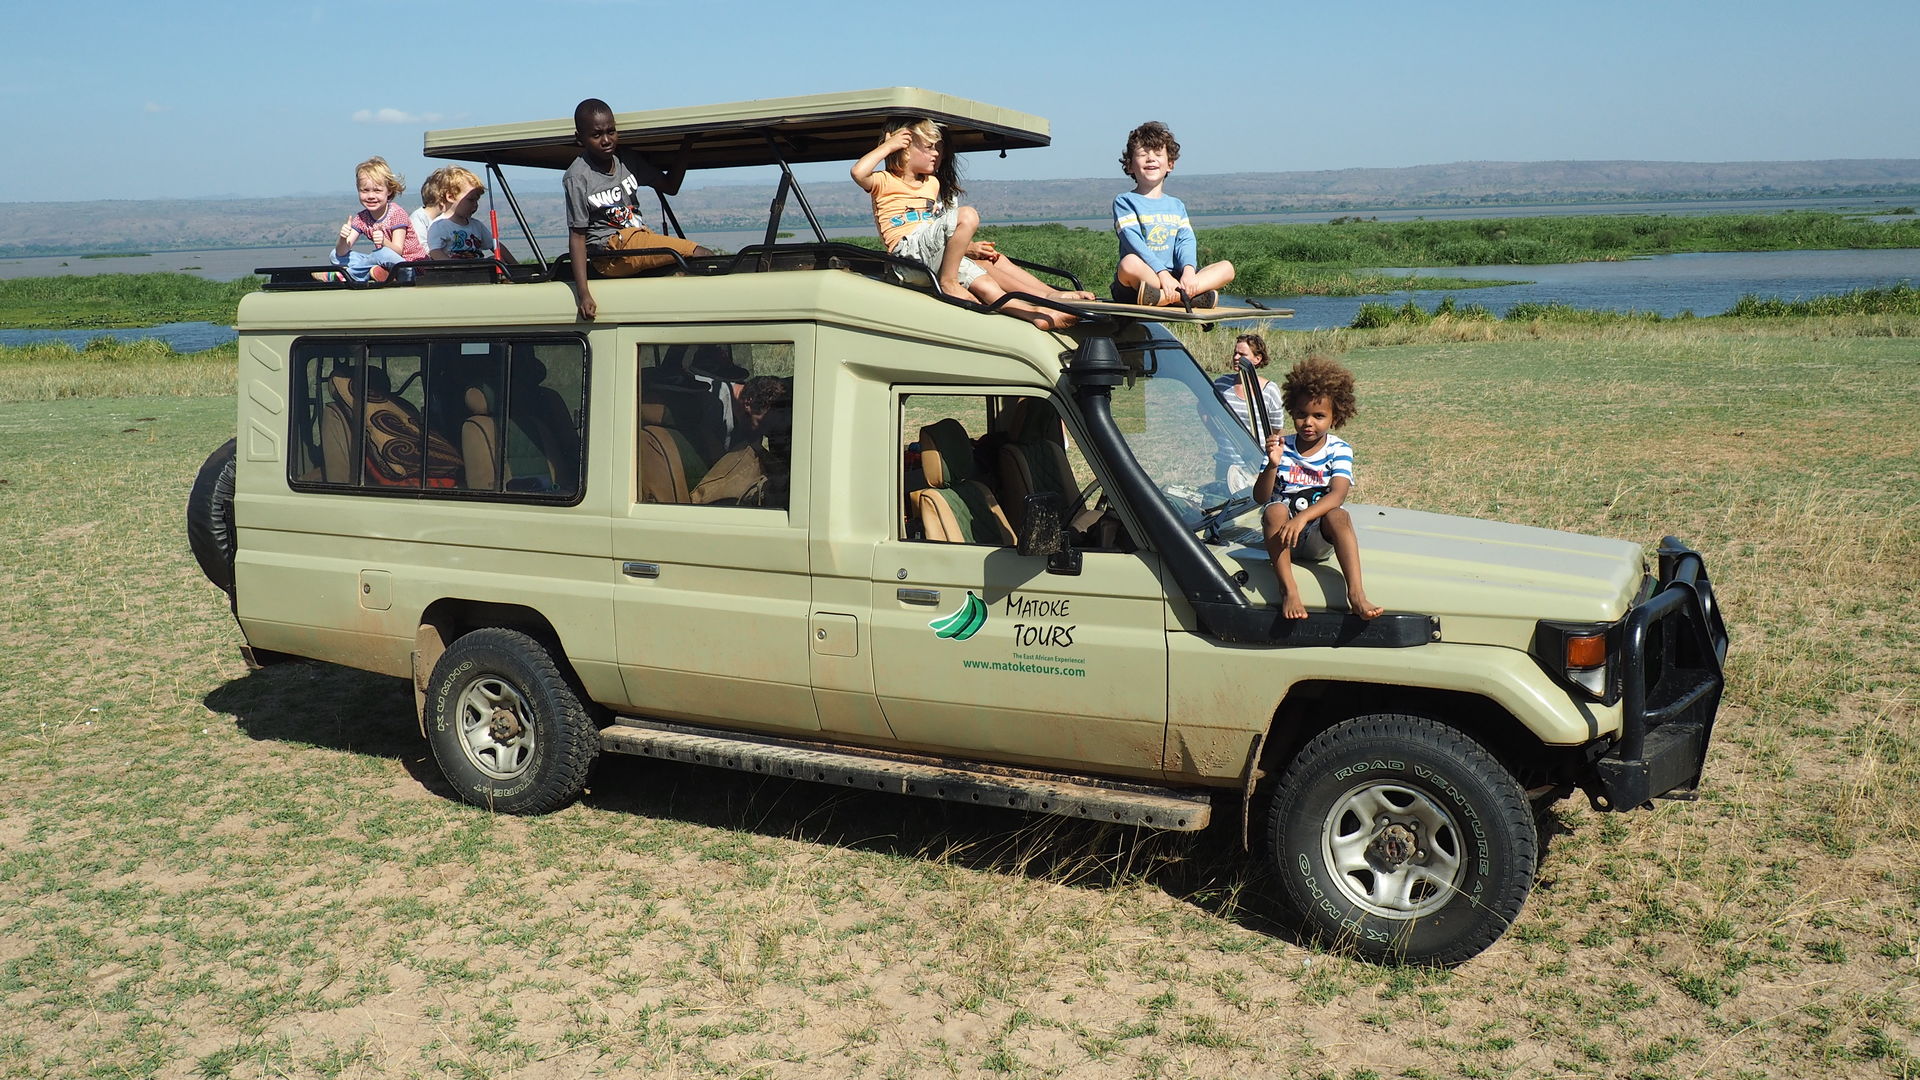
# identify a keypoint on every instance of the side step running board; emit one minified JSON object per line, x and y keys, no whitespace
{"x":1041,"y":793}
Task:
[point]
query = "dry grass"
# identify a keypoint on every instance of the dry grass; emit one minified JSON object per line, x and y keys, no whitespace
{"x":106,"y":368}
{"x":207,"y":873}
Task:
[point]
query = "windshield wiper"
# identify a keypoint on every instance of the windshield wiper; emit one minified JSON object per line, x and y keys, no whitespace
{"x":1211,"y":517}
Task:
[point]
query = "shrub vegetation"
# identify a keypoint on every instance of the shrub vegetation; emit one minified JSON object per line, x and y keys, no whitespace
{"x":104,"y":301}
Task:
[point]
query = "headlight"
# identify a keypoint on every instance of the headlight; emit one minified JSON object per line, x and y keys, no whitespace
{"x":1583,"y":656}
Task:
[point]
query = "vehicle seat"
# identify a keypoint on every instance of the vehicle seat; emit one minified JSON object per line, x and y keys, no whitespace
{"x":955,"y":508}
{"x":670,"y":467}
{"x":542,"y":441}
{"x":337,"y":428}
{"x":693,"y":405}
{"x":480,"y":440}
{"x":1033,"y":459}
{"x":397,"y":444}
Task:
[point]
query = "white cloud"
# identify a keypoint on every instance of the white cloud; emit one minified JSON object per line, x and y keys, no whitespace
{"x":394,"y":116}
{"x":156,"y":107}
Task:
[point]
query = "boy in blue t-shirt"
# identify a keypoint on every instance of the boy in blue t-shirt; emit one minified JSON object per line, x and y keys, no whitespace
{"x":1157,"y":249}
{"x":1305,"y":481}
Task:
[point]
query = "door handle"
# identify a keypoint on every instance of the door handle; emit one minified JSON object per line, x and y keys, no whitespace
{"x":640,"y":569}
{"x":918,"y":596}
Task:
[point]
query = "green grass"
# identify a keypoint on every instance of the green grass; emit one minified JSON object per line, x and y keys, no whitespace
{"x":210,"y":873}
{"x":1901,"y":299}
{"x":105,"y":301}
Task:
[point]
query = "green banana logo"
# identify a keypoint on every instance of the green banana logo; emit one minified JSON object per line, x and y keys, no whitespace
{"x":964,"y":623}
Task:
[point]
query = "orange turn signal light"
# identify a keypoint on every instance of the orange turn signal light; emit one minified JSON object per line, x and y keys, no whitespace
{"x":1587,"y":652}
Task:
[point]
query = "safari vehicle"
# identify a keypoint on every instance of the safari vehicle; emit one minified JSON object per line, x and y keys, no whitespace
{"x":969,"y":559}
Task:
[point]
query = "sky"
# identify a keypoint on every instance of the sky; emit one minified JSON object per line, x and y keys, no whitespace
{"x":156,"y":99}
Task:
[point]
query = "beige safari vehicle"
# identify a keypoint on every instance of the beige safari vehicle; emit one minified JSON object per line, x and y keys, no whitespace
{"x":792,"y":511}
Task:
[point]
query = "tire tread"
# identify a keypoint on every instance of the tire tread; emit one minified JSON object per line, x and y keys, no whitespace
{"x":576,"y":740}
{"x":1510,"y":812}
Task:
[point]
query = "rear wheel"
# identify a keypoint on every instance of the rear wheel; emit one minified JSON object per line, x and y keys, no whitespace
{"x":507,"y":730}
{"x":1403,"y":838}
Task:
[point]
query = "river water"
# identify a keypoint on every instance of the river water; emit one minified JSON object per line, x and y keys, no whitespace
{"x":1705,"y":284}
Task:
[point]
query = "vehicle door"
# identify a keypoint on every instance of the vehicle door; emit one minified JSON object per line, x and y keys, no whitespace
{"x":711,"y":609}
{"x":981,"y":650}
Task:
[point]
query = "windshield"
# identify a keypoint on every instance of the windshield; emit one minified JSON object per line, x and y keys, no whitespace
{"x":1198,"y":455}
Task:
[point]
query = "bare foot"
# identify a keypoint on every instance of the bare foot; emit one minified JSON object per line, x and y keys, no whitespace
{"x":1292,"y":608}
{"x":1358,"y":604}
{"x":1071,"y":294}
{"x":953,"y":289}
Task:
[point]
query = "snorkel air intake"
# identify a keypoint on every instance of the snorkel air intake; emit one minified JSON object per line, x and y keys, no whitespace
{"x":1222,"y":608}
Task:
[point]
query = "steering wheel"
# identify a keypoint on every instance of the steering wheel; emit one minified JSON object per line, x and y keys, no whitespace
{"x":1080,"y":502}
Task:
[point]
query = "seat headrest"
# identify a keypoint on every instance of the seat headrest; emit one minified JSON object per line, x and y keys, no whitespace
{"x":716,"y":362}
{"x":341,"y":383}
{"x":479,"y":400}
{"x":528,"y":369}
{"x":654,"y":414}
{"x":1030,"y":420}
{"x":946,"y":454}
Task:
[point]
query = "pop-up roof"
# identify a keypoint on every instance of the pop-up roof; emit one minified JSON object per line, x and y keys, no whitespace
{"x":770,"y":131}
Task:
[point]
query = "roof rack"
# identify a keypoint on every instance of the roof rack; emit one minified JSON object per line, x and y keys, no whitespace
{"x":425,"y":272}
{"x":771,"y":258}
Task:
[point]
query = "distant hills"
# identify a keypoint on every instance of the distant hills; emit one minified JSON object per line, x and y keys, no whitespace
{"x":185,"y":224}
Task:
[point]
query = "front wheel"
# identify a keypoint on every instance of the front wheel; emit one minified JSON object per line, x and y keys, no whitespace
{"x":1404,"y":839}
{"x":506,"y":728}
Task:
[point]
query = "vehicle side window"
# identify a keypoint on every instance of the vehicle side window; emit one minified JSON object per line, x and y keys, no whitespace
{"x":444,"y":416}
{"x":949,"y":470}
{"x":716,"y":424}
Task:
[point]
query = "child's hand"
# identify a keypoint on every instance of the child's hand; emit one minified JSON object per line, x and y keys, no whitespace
{"x":346,"y":231}
{"x":379,"y":237}
{"x":897,"y":141}
{"x":1276,"y":450}
{"x":1290,"y":532}
{"x":982,"y":251}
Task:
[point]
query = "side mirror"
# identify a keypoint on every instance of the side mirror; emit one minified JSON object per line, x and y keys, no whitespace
{"x":1044,"y":532}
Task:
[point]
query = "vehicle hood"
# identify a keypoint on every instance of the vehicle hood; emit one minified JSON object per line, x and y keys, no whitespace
{"x":1471,"y":569}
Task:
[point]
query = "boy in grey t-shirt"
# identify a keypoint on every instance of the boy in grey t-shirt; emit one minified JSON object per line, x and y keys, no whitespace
{"x":603,"y":208}
{"x":456,"y":234}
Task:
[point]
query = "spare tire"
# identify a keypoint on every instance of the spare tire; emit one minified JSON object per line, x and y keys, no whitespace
{"x":210,"y":529}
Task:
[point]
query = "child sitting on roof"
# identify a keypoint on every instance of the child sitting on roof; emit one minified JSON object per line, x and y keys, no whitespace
{"x":455,"y":234}
{"x":434,"y":200}
{"x":603,"y":205}
{"x":380,"y":220}
{"x":916,"y":208}
{"x":1157,"y":248}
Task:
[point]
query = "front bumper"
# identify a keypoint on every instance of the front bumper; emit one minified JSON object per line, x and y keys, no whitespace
{"x":1672,"y":652}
